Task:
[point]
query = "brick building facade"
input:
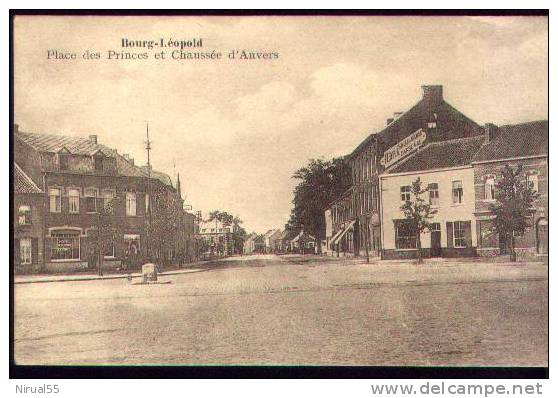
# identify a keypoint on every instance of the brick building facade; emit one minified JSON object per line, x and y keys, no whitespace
{"x":524,"y":145}
{"x":87,"y":187}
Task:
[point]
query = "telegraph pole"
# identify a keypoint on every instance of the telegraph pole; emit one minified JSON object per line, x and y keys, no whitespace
{"x":148,"y":148}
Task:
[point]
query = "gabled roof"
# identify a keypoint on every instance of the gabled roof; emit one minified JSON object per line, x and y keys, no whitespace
{"x":441,"y":155}
{"x":270,"y":233}
{"x":78,"y":146}
{"x":302,"y":235}
{"x":22,"y":182}
{"x":415,"y":118}
{"x":518,"y":140}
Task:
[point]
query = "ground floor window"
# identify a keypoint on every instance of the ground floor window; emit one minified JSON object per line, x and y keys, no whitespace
{"x":405,"y":235}
{"x":542,"y":236}
{"x":108,"y":249}
{"x":132,"y":244}
{"x":65,"y":246}
{"x":460,"y":234}
{"x":25,"y":251}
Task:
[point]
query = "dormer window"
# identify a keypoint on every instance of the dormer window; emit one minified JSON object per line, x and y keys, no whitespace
{"x":98,"y":159}
{"x":64,"y":161}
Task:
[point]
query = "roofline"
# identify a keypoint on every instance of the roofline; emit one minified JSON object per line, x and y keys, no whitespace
{"x":374,"y":135}
{"x":29,"y":180}
{"x":427,"y":171}
{"x":509,"y":159}
{"x":430,"y":144}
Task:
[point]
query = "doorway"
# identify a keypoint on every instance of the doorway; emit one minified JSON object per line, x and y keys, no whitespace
{"x":542,"y":236}
{"x":435,"y":240}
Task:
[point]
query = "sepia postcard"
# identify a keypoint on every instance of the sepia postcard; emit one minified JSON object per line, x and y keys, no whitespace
{"x":280,"y":190}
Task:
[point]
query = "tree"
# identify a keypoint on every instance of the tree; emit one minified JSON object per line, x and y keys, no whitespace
{"x":166,"y":210}
{"x":418,"y":212}
{"x":320,"y":183}
{"x":228,"y":220}
{"x":105,"y":232}
{"x":514,"y":206}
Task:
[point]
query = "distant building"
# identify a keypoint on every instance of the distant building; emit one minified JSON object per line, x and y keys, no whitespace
{"x":303,"y":243}
{"x":524,"y":144}
{"x":253,"y":243}
{"x":248,"y":246}
{"x":270,"y":240}
{"x":217,"y":238}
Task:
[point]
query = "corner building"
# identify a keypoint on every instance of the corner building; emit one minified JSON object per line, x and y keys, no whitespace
{"x":355,"y":217}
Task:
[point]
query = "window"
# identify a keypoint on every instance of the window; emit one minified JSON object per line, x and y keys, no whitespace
{"x":457,"y":191}
{"x":405,"y":235}
{"x":98,"y":163}
{"x":73,"y":200}
{"x":405,"y":193}
{"x":108,"y":197}
{"x":533,"y":182}
{"x":431,"y":125}
{"x":64,"y":160}
{"x":24,"y":215}
{"x":91,"y":200}
{"x":130,"y":204}
{"x":54,"y":199}
{"x":65,"y":246}
{"x":147,"y":203}
{"x":489,"y":189}
{"x":25,"y":251}
{"x":132,"y":242}
{"x":460,"y":234}
{"x":434,"y":194}
{"x":108,"y":249}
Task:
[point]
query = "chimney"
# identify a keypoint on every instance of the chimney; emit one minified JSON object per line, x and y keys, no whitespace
{"x":389,"y":121}
{"x":16,"y":128}
{"x":433,"y":94}
{"x":490,"y":132}
{"x":93,"y":138}
{"x":128,"y":157}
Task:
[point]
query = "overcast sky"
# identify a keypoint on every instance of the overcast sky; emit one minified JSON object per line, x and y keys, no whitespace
{"x":236,"y":130}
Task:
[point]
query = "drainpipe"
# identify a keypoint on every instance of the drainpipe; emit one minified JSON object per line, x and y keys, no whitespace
{"x":381,"y":214}
{"x":45,"y":208}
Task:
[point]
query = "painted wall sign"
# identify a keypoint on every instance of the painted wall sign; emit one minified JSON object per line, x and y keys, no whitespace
{"x":403,"y":148}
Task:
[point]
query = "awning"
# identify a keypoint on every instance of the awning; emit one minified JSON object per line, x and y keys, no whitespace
{"x":342,"y":233}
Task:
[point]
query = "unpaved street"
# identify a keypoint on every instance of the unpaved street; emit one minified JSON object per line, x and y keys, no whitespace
{"x":290,"y":311}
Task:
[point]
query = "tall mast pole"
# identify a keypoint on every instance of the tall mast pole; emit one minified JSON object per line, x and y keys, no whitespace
{"x":148,"y":148}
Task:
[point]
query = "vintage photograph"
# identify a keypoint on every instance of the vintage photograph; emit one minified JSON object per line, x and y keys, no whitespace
{"x":284,"y":190}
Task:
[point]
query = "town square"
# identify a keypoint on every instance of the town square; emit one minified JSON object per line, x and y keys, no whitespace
{"x":281,"y":199}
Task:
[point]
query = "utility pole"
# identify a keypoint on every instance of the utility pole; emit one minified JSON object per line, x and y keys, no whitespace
{"x":148,"y":148}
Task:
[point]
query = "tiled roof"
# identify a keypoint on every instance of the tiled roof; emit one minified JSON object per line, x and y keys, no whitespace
{"x":55,"y":143}
{"x":79,"y":146}
{"x":164,"y":178}
{"x":519,"y":140}
{"x":415,"y":118}
{"x":441,"y":155}
{"x":22,"y":182}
